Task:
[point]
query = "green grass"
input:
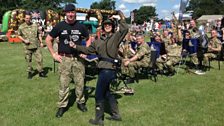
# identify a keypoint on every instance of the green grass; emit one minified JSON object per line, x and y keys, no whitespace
{"x":182,"y":100}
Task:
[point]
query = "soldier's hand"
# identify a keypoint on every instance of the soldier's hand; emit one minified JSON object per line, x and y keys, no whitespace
{"x":120,"y":13}
{"x":57,"y":57}
{"x":83,"y":56}
{"x":72,"y":44}
{"x":26,"y":41}
{"x":179,"y":26}
{"x":41,"y":45}
{"x":126,"y":62}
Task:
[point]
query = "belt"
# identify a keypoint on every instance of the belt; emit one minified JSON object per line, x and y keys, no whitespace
{"x":66,"y":55}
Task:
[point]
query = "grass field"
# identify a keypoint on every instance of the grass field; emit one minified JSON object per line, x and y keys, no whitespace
{"x":182,"y":100}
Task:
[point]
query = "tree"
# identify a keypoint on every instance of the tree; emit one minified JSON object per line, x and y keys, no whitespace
{"x":8,"y":5}
{"x":104,"y":4}
{"x":205,"y":7}
{"x":55,"y":5}
{"x":144,"y":13}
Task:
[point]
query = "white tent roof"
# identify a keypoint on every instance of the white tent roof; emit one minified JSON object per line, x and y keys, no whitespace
{"x":210,"y":17}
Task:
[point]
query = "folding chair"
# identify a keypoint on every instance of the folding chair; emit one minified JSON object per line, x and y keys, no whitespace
{"x":153,"y":71}
{"x":54,"y":62}
{"x":219,"y":58}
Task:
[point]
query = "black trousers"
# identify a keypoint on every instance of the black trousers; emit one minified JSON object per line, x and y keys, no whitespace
{"x":103,"y":85}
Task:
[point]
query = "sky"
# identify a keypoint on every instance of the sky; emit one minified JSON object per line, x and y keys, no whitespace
{"x":163,"y":7}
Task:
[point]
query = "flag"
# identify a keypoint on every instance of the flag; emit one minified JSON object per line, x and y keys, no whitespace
{"x":183,"y":4}
{"x":132,"y":16}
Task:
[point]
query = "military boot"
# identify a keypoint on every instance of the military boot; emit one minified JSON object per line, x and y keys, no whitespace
{"x":30,"y":75}
{"x":115,"y":116}
{"x":99,"y":117}
{"x":41,"y":74}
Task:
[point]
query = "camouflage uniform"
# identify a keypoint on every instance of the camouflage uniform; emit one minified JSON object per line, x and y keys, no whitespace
{"x":215,"y":43}
{"x":194,"y":56}
{"x":125,"y":50}
{"x":143,"y":53}
{"x":174,"y":54}
{"x":30,"y":32}
{"x":71,"y":67}
{"x":166,"y":40}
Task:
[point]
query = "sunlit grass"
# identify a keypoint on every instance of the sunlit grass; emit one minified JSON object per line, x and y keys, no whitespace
{"x":182,"y":100}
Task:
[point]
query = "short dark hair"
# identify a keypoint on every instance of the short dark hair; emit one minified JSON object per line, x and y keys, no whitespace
{"x":187,"y":32}
{"x":28,"y":13}
{"x":139,"y":35}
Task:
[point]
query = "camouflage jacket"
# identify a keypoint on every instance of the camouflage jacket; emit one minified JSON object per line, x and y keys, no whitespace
{"x":214,"y":43}
{"x":143,"y":53}
{"x":166,"y":40}
{"x":29,"y":32}
{"x":174,"y":50}
{"x":194,"y":33}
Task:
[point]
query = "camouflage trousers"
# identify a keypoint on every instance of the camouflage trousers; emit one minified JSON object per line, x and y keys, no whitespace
{"x":38,"y":57}
{"x":194,"y":59}
{"x":168,"y":63}
{"x":71,"y":68}
{"x":172,"y":61}
{"x":207,"y":56}
{"x":132,"y":68}
{"x":160,"y":63}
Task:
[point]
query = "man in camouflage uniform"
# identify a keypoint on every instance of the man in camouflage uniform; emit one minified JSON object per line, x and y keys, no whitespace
{"x":193,"y":34}
{"x":173,"y":57}
{"x":125,"y":49}
{"x":28,"y":33}
{"x":71,"y":65}
{"x":165,"y":37}
{"x":214,"y":47}
{"x":140,"y":59}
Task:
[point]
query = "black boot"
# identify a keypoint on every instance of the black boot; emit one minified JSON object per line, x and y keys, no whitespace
{"x":99,"y":115}
{"x":41,"y":74}
{"x":115,"y":116}
{"x":30,"y":75}
{"x":82,"y":107}
{"x":60,"y":112}
{"x":129,"y":80}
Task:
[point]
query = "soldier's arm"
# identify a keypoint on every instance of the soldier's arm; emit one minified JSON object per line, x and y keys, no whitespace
{"x":40,"y":39}
{"x":123,"y":28}
{"x":20,"y":36}
{"x":24,"y":40}
{"x":180,"y":36}
{"x":223,"y":34}
{"x":86,"y":50}
{"x":219,"y":46}
{"x":49,"y":42}
{"x":140,"y":53}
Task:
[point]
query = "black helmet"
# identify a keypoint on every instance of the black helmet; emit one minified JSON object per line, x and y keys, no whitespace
{"x":108,"y":21}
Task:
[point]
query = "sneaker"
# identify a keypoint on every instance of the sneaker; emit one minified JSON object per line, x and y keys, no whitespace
{"x":125,"y":90}
{"x":199,"y":72}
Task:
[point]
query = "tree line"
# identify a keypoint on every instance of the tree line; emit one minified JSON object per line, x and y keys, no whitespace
{"x":144,"y":13}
